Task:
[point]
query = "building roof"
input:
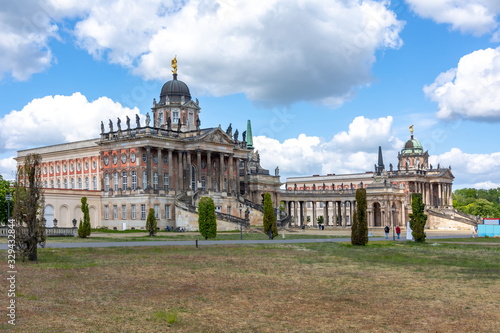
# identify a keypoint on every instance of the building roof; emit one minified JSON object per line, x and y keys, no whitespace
{"x":174,"y":90}
{"x":412,"y":146}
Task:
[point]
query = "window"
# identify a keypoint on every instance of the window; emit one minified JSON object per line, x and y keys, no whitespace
{"x":124,"y":212}
{"x":94,"y":180}
{"x":106,"y":212}
{"x":157,"y":209}
{"x":229,"y":210}
{"x":167,"y":212}
{"x":155,"y":181}
{"x":134,"y":180}
{"x":87,"y":183}
{"x":203,"y":182}
{"x":45,"y":184}
{"x":144,"y":179}
{"x":160,"y":118}
{"x":175,"y":116}
{"x":321,"y":205}
{"x":143,"y":212}
{"x":58,"y":183}
{"x":124,"y":180}
{"x":80,"y":183}
{"x":72,"y":183}
{"x":115,"y":212}
{"x":115,"y":181}
{"x":165,"y":181}
{"x":106,"y":182}
{"x":133,"y":212}
{"x":52,"y":183}
{"x":308,"y":205}
{"x":65,"y":183}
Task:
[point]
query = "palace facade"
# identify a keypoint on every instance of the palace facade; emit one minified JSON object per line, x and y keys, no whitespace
{"x":167,"y":162}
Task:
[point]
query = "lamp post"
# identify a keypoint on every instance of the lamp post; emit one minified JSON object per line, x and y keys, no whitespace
{"x":74,"y":223}
{"x":8,"y":197}
{"x":393,"y":209}
{"x":55,"y":223}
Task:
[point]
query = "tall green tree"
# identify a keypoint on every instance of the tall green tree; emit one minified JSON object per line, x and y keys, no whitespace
{"x":4,"y":190}
{"x":207,"y":221}
{"x":359,"y":227}
{"x":29,"y":205}
{"x":151,"y":222}
{"x":84,"y":228}
{"x":418,"y":218}
{"x":269,"y":219}
{"x":483,"y":208}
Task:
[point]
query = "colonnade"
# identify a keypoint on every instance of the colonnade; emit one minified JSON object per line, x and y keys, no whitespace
{"x":335,"y":213}
{"x":433,"y":194}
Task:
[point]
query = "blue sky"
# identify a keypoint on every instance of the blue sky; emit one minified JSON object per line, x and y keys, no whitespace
{"x":324,"y":82}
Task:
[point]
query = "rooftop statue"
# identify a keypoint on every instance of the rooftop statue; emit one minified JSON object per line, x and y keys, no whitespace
{"x":174,"y":65}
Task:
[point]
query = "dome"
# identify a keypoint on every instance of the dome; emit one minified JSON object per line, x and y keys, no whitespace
{"x":175,"y":89}
{"x":412,"y":146}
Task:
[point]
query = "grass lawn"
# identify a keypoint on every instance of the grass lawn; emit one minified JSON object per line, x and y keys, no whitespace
{"x":318,"y":287}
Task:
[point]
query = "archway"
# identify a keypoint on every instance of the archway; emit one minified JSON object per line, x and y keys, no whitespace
{"x":48,"y":214}
{"x":64,"y":220}
{"x":377,"y":215}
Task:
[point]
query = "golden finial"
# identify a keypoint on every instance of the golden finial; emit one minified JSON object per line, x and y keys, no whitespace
{"x":174,"y":65}
{"x":411,"y":129}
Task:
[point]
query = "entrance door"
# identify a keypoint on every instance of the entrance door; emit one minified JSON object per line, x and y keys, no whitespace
{"x":377,"y":216}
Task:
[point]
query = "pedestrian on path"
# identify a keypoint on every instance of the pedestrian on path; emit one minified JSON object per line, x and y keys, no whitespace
{"x":386,"y":230}
{"x":398,"y":231}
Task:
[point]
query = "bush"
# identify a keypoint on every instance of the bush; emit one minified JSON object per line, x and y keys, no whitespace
{"x":207,"y":221}
{"x":359,"y":228}
{"x":151,"y":222}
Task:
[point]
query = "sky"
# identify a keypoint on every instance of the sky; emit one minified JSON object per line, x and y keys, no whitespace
{"x":324,"y":82}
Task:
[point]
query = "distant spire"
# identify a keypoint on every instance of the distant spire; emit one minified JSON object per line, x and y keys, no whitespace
{"x":249,"y":135}
{"x":380,"y":166}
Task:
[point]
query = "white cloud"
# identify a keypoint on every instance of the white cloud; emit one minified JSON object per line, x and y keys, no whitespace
{"x":468,"y":168}
{"x":347,"y":152}
{"x":273,"y":51}
{"x":58,"y":119}
{"x":477,"y":17}
{"x":8,"y":168}
{"x":471,"y":90}
{"x":25,"y":31}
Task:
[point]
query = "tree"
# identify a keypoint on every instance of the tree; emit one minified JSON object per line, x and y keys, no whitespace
{"x":151,"y":222}
{"x":269,"y":221}
{"x":417,"y":217}
{"x":84,"y":228}
{"x":483,"y":208}
{"x":29,"y":205}
{"x":320,"y":219}
{"x":359,"y":228}
{"x":4,"y":190}
{"x":207,"y":221}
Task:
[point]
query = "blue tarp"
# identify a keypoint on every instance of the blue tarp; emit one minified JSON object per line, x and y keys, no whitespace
{"x":484,"y":230}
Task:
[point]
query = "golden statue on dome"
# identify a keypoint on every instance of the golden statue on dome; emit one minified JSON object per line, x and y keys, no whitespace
{"x":411,"y":129}
{"x":174,"y":65}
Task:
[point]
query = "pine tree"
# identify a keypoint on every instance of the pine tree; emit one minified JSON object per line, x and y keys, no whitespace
{"x":207,"y":221}
{"x":417,"y":217}
{"x":269,"y":221}
{"x":151,"y":222}
{"x":359,"y":228}
{"x":84,"y":228}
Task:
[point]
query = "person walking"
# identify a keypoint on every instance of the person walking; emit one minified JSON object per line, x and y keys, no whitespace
{"x":386,"y":230}
{"x":398,"y":231}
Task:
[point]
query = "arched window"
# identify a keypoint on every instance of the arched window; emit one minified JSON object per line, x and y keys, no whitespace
{"x":134,"y":180}
{"x":155,"y":181}
{"x":87,"y":183}
{"x":115,"y":181}
{"x":79,"y":183}
{"x":144,"y":179}
{"x":52,"y":183}
{"x":72,"y":183}
{"x":65,"y":183}
{"x":58,"y":183}
{"x":94,"y":180}
{"x":203,"y":183}
{"x":165,"y":181}
{"x":124,"y":180}
{"x":106,"y":182}
{"x":160,"y":118}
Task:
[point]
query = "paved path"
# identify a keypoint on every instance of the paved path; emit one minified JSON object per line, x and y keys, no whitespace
{"x":277,"y":240}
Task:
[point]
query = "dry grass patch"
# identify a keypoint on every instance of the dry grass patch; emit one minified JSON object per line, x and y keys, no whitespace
{"x":326,"y":288}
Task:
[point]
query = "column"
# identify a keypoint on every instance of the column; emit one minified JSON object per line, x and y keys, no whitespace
{"x":238,"y":190}
{"x":230,"y":176}
{"x":209,"y":170}
{"x":198,"y":162}
{"x":160,"y":170}
{"x":440,"y":194}
{"x":171,"y":170}
{"x":325,"y":213}
{"x":295,"y":213}
{"x":221,"y":172}
{"x":179,"y":171}
{"x":189,"y":181}
{"x":313,"y":204}
{"x":148,"y":167}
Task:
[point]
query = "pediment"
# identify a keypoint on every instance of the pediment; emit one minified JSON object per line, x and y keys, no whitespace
{"x":217,"y":136}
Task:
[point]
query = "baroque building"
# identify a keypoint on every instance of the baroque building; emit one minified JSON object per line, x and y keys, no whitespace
{"x":167,"y":162}
{"x":388,"y":193}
